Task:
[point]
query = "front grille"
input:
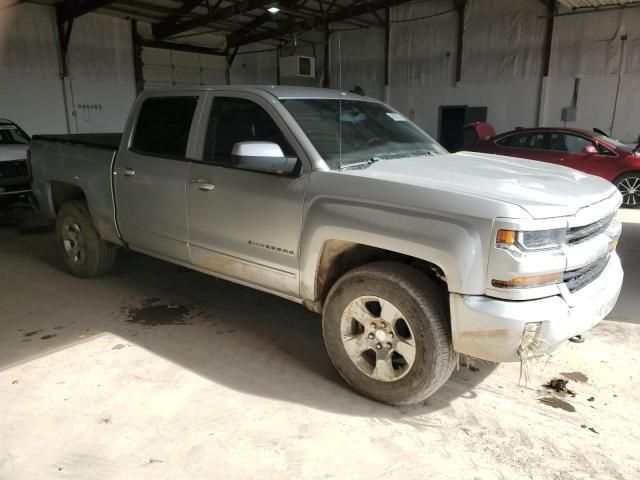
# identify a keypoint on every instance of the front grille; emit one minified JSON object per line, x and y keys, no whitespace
{"x":13,"y":168}
{"x":581,"y":277}
{"x":585,"y":232}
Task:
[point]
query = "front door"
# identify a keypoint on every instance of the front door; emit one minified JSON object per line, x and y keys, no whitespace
{"x":573,"y":154}
{"x":245,"y":225}
{"x":150,"y":176}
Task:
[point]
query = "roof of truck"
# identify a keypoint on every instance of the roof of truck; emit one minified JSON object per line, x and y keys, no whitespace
{"x":283,"y":92}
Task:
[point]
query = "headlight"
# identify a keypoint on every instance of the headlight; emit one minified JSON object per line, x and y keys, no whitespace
{"x":532,"y":241}
{"x":529,"y":281}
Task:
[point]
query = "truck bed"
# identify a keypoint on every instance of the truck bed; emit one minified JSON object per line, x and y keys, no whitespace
{"x":63,"y":164}
{"x":110,"y":141}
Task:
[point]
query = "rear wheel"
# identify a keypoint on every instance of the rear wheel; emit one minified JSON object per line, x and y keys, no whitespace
{"x":629,"y":186}
{"x":386,"y":329}
{"x":84,"y":253}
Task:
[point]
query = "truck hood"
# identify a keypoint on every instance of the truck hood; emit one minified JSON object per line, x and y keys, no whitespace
{"x":544,"y":190}
{"x":13,"y":152}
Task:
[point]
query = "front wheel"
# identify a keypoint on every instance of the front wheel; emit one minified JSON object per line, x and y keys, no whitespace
{"x":82,"y":249}
{"x":386,"y":329}
{"x":629,"y":186}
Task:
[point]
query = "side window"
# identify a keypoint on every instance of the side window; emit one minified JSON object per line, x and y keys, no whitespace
{"x":576,"y":144}
{"x":519,"y":140}
{"x":569,"y":143}
{"x":559,"y":142}
{"x":163,"y":126}
{"x":537,"y":140}
{"x":236,"y":120}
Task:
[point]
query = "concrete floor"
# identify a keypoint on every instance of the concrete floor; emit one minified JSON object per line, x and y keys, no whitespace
{"x":158,"y":372}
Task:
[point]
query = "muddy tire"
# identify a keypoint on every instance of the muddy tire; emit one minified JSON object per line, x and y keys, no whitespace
{"x":85,"y":254}
{"x":629,"y":186}
{"x":386,"y":328}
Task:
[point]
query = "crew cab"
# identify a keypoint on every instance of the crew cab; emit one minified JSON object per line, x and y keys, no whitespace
{"x":338,"y":202}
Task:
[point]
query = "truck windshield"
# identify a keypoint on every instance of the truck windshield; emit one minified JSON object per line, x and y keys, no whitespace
{"x":11,"y":134}
{"x":356,"y":132}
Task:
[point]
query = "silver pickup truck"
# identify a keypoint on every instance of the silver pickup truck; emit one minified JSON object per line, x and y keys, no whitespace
{"x":340,"y":203}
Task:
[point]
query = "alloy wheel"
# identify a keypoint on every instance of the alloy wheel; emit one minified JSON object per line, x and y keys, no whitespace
{"x":378,"y":338}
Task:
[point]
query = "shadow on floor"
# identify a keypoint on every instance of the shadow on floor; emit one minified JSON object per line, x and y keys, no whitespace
{"x":235,"y":336}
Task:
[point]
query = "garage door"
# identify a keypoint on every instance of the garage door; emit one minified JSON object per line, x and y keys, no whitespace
{"x":163,"y":69}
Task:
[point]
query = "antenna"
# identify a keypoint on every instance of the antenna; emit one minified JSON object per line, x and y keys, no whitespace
{"x":339,"y":103}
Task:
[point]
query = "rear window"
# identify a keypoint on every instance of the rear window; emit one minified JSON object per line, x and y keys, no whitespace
{"x":163,"y":126}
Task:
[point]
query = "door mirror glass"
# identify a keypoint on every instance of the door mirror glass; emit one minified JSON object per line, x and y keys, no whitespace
{"x":589,"y":150}
{"x":262,"y":157}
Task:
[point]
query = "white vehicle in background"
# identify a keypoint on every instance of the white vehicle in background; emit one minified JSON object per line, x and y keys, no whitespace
{"x":15,"y":178}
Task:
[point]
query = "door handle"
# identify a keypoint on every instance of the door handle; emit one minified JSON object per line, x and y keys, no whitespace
{"x":126,"y":171}
{"x":203,"y":184}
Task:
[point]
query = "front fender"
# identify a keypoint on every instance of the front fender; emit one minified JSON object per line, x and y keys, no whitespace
{"x":456,"y":244}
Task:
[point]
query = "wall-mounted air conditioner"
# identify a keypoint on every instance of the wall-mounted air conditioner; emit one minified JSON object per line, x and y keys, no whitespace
{"x":297,"y":66}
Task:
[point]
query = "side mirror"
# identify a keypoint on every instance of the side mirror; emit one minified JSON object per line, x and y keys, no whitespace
{"x":589,"y":150}
{"x":262,"y":157}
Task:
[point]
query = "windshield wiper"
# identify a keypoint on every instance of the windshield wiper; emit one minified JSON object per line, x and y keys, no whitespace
{"x":363,"y":164}
{"x":385,"y":156}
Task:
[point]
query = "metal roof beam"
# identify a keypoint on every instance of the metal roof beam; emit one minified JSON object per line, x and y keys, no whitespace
{"x":172,"y":19}
{"x":342,"y":14}
{"x":182,"y":47}
{"x":238,"y":8}
{"x":70,"y":9}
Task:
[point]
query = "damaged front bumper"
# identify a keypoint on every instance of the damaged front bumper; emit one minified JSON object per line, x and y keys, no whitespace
{"x":501,"y":330}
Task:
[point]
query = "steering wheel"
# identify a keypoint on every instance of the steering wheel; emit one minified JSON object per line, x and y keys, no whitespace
{"x":374,"y":140}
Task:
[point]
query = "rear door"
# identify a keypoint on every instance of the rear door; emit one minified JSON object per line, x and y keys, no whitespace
{"x":150,"y":174}
{"x":245,"y":225}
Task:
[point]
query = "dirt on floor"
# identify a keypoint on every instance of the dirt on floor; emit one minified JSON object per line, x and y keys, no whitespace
{"x":156,"y":372}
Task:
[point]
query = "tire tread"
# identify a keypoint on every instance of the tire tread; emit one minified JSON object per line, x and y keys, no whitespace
{"x":425,"y":293}
{"x":105,"y":253}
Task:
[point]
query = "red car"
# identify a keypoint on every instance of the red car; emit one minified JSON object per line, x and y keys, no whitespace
{"x":589,"y":152}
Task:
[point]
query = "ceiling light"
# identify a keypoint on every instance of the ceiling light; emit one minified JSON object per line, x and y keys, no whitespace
{"x":273,"y":10}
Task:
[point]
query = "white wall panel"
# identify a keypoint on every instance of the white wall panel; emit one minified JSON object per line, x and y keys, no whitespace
{"x":101,"y":76}
{"x":362,"y":54}
{"x":101,"y":49}
{"x":591,"y":44}
{"x":34,"y":103}
{"x":627,"y":116}
{"x":101,"y":106}
{"x":592,"y":47}
{"x":503,"y":40}
{"x":26,"y":41}
{"x":502,"y":57}
{"x":255,"y":68}
{"x":422,"y":52}
{"x":512,"y":103}
{"x":30,"y":85}
{"x":596,"y":104}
